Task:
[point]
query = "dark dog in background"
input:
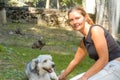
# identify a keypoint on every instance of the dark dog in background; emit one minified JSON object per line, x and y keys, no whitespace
{"x":38,"y":44}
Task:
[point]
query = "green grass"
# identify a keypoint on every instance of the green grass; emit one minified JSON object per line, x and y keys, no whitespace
{"x":16,"y":52}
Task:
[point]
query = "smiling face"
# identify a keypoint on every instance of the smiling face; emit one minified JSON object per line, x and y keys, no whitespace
{"x":45,"y":64}
{"x":76,"y":20}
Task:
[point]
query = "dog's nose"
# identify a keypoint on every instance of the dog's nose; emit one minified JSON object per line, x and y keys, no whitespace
{"x":53,"y":65}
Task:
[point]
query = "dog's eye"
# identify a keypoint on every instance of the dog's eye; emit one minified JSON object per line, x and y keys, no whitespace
{"x":45,"y":61}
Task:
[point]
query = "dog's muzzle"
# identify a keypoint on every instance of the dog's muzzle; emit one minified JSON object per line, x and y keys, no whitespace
{"x":50,"y":70}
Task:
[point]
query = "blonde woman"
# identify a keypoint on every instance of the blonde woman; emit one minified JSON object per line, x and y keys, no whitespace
{"x":100,"y":46}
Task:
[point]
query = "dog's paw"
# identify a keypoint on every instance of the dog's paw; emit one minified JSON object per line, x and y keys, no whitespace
{"x":62,"y":71}
{"x":53,"y":76}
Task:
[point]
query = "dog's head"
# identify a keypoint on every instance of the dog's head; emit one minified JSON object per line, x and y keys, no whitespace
{"x":43,"y":64}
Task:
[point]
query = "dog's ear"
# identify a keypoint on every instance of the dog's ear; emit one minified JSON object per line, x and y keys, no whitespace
{"x":50,"y":57}
{"x":34,"y":63}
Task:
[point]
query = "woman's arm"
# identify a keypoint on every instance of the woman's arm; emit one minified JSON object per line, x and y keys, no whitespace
{"x":80,"y":53}
{"x":102,"y":50}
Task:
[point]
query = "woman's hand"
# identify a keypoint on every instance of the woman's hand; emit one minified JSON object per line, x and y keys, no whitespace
{"x":61,"y":77}
{"x":83,"y":78}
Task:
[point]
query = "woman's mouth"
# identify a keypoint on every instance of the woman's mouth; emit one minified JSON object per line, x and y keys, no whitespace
{"x":76,"y":26}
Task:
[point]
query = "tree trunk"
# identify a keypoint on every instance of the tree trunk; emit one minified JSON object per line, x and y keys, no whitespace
{"x":3,"y":16}
{"x":47,"y":4}
{"x":58,"y":4}
{"x":100,"y":10}
{"x":114,"y":16}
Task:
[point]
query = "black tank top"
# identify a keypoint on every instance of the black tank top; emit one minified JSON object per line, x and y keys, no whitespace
{"x":113,"y":46}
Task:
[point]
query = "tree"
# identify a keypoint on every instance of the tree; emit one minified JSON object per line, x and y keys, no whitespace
{"x":47,"y":4}
{"x":114,"y":16}
{"x":58,"y":4}
{"x":3,"y":19}
{"x":66,"y":4}
{"x":100,"y":10}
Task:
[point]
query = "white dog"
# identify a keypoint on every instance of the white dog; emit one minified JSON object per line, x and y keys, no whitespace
{"x":41,"y":68}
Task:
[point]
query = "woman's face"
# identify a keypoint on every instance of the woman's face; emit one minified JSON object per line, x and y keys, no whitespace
{"x":76,"y":20}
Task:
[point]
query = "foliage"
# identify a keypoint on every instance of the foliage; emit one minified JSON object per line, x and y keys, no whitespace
{"x":3,"y":3}
{"x":71,"y":2}
{"x":67,"y":3}
{"x":22,"y":3}
{"x":16,"y":3}
{"x":3,"y":0}
{"x":33,"y":1}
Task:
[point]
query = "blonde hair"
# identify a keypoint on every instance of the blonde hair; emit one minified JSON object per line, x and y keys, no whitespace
{"x":83,"y":12}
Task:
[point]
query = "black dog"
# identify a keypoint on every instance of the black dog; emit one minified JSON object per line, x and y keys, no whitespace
{"x":38,"y":44}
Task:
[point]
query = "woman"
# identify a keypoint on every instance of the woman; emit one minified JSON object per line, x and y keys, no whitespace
{"x":100,"y":46}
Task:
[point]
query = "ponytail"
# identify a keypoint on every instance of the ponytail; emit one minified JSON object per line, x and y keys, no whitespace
{"x":89,"y":20}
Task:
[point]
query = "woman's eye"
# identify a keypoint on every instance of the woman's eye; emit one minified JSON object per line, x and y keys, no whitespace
{"x":77,"y":18}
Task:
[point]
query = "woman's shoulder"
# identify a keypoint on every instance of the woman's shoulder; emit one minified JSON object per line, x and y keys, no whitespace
{"x":97,"y":29}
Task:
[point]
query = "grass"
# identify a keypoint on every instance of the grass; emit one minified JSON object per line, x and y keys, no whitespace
{"x":16,"y":52}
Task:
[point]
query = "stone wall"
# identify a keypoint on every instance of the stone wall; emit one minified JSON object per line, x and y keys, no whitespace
{"x":19,"y":14}
{"x":30,"y":14}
